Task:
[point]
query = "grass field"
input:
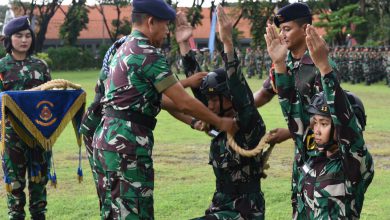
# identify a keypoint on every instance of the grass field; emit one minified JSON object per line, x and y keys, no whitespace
{"x":184,"y":180}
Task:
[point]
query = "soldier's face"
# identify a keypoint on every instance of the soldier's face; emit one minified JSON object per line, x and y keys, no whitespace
{"x":21,"y":41}
{"x":322,"y":127}
{"x":214,"y":103}
{"x":293,"y":34}
{"x":158,"y":31}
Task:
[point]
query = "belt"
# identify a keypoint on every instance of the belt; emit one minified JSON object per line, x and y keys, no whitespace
{"x":132,"y":116}
{"x":238,"y":188}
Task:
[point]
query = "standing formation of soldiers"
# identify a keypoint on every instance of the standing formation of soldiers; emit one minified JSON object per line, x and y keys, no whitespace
{"x":362,"y":64}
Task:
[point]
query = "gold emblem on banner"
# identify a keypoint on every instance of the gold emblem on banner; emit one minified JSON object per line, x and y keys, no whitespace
{"x":46,"y":115}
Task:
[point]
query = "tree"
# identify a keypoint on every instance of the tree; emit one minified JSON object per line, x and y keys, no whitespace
{"x":45,"y":10}
{"x":76,"y":19}
{"x":340,"y":23}
{"x":258,"y":12}
{"x":116,"y":24}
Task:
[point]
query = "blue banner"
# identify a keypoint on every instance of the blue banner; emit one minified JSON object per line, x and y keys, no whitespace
{"x":42,"y":115}
{"x":212,"y":34}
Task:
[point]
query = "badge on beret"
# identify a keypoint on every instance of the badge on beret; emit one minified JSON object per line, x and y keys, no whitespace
{"x":280,"y":18}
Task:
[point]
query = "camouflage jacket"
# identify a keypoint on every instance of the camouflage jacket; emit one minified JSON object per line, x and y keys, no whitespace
{"x":302,"y":81}
{"x":229,"y":167}
{"x":139,"y":73}
{"x":22,"y":75}
{"x":93,"y":115}
{"x":191,"y":66}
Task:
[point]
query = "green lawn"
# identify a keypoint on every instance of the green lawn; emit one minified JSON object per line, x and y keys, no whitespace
{"x":184,"y":180}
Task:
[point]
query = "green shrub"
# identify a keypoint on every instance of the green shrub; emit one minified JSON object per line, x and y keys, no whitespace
{"x":72,"y":58}
{"x":46,"y":58}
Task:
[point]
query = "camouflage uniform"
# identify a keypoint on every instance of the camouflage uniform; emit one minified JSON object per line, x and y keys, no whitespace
{"x":238,"y":193}
{"x":18,"y":157}
{"x":93,"y":116}
{"x":123,"y":141}
{"x":306,"y":81}
{"x":329,"y":187}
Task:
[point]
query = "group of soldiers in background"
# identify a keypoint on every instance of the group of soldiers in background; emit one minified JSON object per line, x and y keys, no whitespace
{"x":362,"y":64}
{"x":357,"y":64}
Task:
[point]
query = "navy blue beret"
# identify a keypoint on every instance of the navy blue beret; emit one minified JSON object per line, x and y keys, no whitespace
{"x":17,"y":24}
{"x":291,"y":12}
{"x":156,"y":8}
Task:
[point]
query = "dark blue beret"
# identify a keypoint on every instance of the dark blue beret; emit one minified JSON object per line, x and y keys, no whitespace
{"x":17,"y":24}
{"x":291,"y":12}
{"x":156,"y":8}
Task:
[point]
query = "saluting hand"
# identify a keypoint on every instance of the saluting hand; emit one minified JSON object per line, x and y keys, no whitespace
{"x":318,"y":50}
{"x":276,"y":46}
{"x":225,"y":28}
{"x":183,"y":28}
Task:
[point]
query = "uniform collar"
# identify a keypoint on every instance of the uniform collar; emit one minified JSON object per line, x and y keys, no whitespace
{"x":10,"y":58}
{"x":139,"y":36}
{"x":306,"y":59}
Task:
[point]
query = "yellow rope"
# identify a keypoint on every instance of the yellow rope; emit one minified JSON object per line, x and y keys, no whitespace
{"x":248,"y":153}
{"x":56,"y":84}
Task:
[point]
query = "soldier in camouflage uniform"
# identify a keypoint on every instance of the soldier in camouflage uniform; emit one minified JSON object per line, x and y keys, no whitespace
{"x":20,"y":71}
{"x":123,"y":141}
{"x":238,"y":194}
{"x":93,"y":116}
{"x":334,"y":182}
{"x":293,"y":59}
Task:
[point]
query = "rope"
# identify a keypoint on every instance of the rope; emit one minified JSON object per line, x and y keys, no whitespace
{"x":56,"y":84}
{"x":248,"y":153}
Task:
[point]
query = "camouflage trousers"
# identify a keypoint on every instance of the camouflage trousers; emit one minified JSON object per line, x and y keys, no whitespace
{"x":250,"y":206}
{"x":126,"y":191}
{"x":97,"y":172}
{"x":18,"y":159}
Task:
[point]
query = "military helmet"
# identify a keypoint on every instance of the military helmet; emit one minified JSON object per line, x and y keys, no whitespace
{"x":214,"y":83}
{"x":318,"y":106}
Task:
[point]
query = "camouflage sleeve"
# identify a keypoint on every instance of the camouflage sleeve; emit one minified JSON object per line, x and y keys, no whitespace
{"x":191,"y":66}
{"x":342,"y":113}
{"x":157,"y":72}
{"x":46,"y":71}
{"x":292,"y":107}
{"x":249,"y":119}
{"x":349,"y":135}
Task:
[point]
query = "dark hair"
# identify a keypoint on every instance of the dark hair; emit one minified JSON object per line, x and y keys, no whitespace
{"x":138,"y":18}
{"x":304,"y":20}
{"x":8,"y":43}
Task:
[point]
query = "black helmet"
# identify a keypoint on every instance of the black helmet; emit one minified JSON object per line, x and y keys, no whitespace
{"x":214,"y":83}
{"x":318,"y":106}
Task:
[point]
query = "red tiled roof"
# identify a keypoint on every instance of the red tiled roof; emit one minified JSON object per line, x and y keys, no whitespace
{"x":96,"y":29}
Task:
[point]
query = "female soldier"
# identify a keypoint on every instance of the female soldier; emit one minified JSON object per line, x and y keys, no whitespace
{"x":20,"y":71}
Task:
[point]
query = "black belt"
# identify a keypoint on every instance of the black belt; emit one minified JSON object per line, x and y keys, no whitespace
{"x":238,"y":188}
{"x":132,"y":116}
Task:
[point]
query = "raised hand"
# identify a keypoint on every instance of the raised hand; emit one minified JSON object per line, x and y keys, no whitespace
{"x":225,"y":27}
{"x":276,"y":46}
{"x":193,"y":81}
{"x":183,"y":28}
{"x":318,"y":50}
